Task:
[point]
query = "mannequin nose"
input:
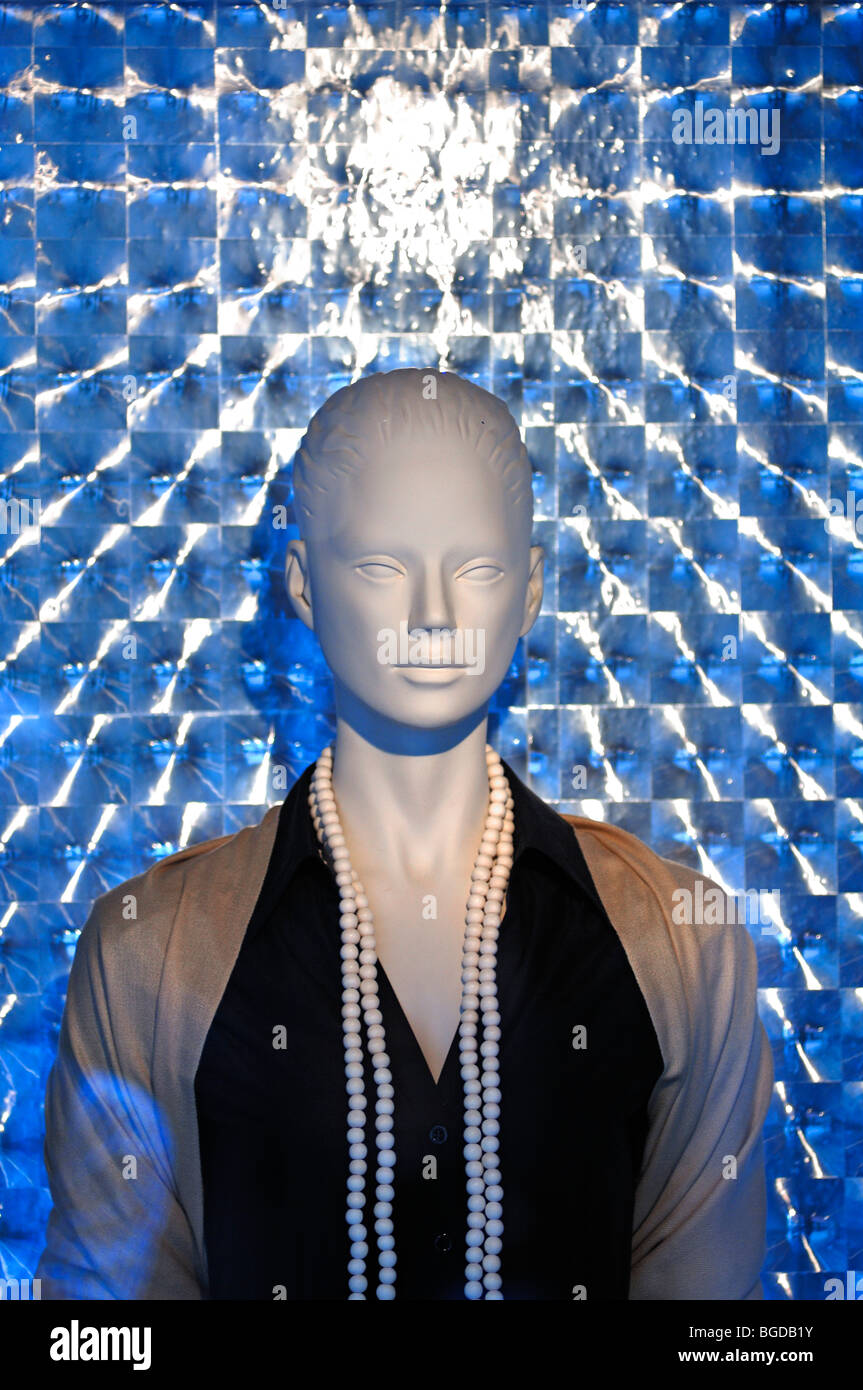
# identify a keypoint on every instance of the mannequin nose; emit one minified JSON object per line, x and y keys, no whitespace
{"x":432,"y":605}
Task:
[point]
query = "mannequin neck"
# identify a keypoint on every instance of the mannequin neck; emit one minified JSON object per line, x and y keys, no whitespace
{"x":411,"y":814}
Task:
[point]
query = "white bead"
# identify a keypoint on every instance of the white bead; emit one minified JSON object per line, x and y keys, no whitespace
{"x":478,"y":1057}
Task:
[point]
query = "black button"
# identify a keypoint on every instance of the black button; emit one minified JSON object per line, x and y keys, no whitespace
{"x":437,"y":1134}
{"x":442,"y":1243}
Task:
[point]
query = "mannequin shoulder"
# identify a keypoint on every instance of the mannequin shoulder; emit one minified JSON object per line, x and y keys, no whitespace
{"x":137,"y":917}
{"x":614,"y":850}
{"x":649,"y":897}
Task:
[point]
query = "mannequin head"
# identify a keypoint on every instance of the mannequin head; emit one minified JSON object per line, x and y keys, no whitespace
{"x":414,"y":565}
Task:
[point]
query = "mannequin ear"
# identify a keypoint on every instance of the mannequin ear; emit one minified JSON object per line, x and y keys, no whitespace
{"x":297,"y":582}
{"x":533,"y":597}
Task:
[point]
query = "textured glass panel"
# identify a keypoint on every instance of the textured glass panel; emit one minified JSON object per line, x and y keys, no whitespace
{"x":211,"y":217}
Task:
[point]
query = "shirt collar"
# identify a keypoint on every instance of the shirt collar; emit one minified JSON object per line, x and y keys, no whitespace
{"x":540,"y":828}
{"x":537,"y":828}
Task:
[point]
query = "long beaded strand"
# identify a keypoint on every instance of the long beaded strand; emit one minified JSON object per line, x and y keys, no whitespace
{"x":479,"y":1066}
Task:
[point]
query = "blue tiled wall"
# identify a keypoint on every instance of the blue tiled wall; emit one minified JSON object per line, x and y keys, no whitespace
{"x":212,"y":216}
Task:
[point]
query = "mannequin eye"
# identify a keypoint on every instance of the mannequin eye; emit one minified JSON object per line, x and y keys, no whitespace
{"x":379,"y":569}
{"x":483,"y":573}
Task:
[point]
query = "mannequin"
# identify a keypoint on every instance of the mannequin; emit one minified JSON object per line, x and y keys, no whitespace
{"x":415,"y":529}
{"x":210,"y":1037}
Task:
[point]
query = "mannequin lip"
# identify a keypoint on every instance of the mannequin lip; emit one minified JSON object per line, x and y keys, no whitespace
{"x":427,"y":672}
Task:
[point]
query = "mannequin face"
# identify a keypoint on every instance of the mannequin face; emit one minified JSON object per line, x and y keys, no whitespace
{"x":421,"y":539}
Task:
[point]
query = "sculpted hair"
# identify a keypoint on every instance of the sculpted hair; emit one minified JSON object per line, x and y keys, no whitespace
{"x":413,"y":401}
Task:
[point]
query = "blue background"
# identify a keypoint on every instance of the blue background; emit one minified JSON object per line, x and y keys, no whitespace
{"x":307,"y":193}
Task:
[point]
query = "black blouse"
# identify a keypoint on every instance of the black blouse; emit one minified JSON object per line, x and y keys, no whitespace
{"x":271,"y":1101}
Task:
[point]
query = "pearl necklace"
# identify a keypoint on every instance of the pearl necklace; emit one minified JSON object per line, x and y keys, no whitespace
{"x":479,"y":1064}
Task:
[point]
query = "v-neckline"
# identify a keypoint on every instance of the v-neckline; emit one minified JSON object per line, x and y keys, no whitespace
{"x":407,"y":1028}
